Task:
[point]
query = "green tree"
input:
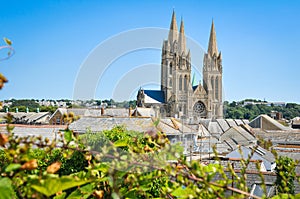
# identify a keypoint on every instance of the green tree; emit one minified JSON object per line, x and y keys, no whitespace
{"x":285,"y":175}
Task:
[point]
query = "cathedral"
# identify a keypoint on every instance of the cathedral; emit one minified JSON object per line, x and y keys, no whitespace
{"x":177,"y":96}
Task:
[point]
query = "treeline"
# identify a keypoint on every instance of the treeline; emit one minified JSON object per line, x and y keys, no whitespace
{"x":237,"y":110}
{"x":32,"y":105}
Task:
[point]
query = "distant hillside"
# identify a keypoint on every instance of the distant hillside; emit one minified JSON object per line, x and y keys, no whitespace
{"x":249,"y":109}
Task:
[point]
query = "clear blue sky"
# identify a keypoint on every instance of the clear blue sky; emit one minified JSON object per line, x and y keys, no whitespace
{"x":259,"y":41}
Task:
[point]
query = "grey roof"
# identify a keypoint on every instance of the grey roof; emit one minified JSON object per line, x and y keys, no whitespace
{"x":28,"y":130}
{"x":236,"y":163}
{"x":219,"y":126}
{"x":214,"y":129}
{"x":29,"y":118}
{"x":131,"y":123}
{"x":223,"y":124}
{"x":231,"y":122}
{"x":259,"y":154}
{"x":279,"y":137}
{"x":238,"y":136}
{"x":267,"y":123}
{"x":143,"y":112}
{"x":239,"y":122}
{"x":245,"y":121}
{"x":116,"y":112}
{"x":93,"y":112}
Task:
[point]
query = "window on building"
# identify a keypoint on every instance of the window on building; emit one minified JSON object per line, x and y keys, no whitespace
{"x":213,"y":87}
{"x":184,"y":109}
{"x":170,"y":69}
{"x":180,"y":82}
{"x":170,"y":82}
{"x":217,"y":88}
{"x":185,"y":82}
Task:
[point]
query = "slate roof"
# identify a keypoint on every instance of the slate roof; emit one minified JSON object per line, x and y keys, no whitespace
{"x":219,"y":126}
{"x":238,"y":136}
{"x":157,"y":95}
{"x":143,"y":112}
{"x":116,"y":112}
{"x":46,"y":131}
{"x":236,"y":163}
{"x":28,"y":118}
{"x":291,"y":136}
{"x":195,"y":87}
{"x":131,"y":123}
{"x":259,"y":154}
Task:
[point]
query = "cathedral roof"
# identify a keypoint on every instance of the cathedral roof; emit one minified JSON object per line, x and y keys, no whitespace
{"x":156,"y":95}
{"x":195,"y":87}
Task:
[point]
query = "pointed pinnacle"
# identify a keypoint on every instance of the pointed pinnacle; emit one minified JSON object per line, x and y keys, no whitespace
{"x":212,"y":46}
{"x":173,"y":28}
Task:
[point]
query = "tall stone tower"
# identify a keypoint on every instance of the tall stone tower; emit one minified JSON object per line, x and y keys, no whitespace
{"x":212,"y":76}
{"x":177,"y":96}
{"x":176,"y":70}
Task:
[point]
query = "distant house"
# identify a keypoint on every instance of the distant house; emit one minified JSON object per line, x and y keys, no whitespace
{"x":296,"y":123}
{"x":265,"y":122}
{"x":57,"y":118}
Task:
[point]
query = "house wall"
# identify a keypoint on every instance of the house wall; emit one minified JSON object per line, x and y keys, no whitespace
{"x":57,"y":119}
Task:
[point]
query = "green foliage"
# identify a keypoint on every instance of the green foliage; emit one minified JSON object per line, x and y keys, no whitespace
{"x":6,"y":188}
{"x":285,"y":175}
{"x":236,"y":110}
{"x":114,"y":163}
{"x":55,"y":184}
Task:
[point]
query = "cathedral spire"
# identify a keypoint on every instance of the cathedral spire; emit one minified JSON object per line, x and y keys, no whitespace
{"x":212,"y":46}
{"x":181,"y":40}
{"x":173,"y":29}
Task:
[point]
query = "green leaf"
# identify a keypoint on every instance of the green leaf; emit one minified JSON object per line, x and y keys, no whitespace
{"x":68,"y":135}
{"x":6,"y":189}
{"x":12,"y":167}
{"x":120,"y":143}
{"x":182,"y":192}
{"x":103,"y":167}
{"x":7,"y":41}
{"x":51,"y":186}
{"x":82,"y":192}
{"x":60,"y":196}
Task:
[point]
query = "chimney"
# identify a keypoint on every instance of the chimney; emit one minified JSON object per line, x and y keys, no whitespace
{"x":102,"y":111}
{"x":37,"y":110}
{"x":129,"y":111}
{"x":17,"y":110}
{"x":27,"y":109}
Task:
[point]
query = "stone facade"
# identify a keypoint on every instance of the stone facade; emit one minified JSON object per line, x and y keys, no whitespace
{"x":179,"y":96}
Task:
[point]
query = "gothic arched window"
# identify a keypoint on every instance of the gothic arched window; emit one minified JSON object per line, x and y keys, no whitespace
{"x":185,"y":82}
{"x":217,"y":88}
{"x":212,"y":86}
{"x":170,"y":82}
{"x":170,"y":69}
{"x":180,"y":82}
